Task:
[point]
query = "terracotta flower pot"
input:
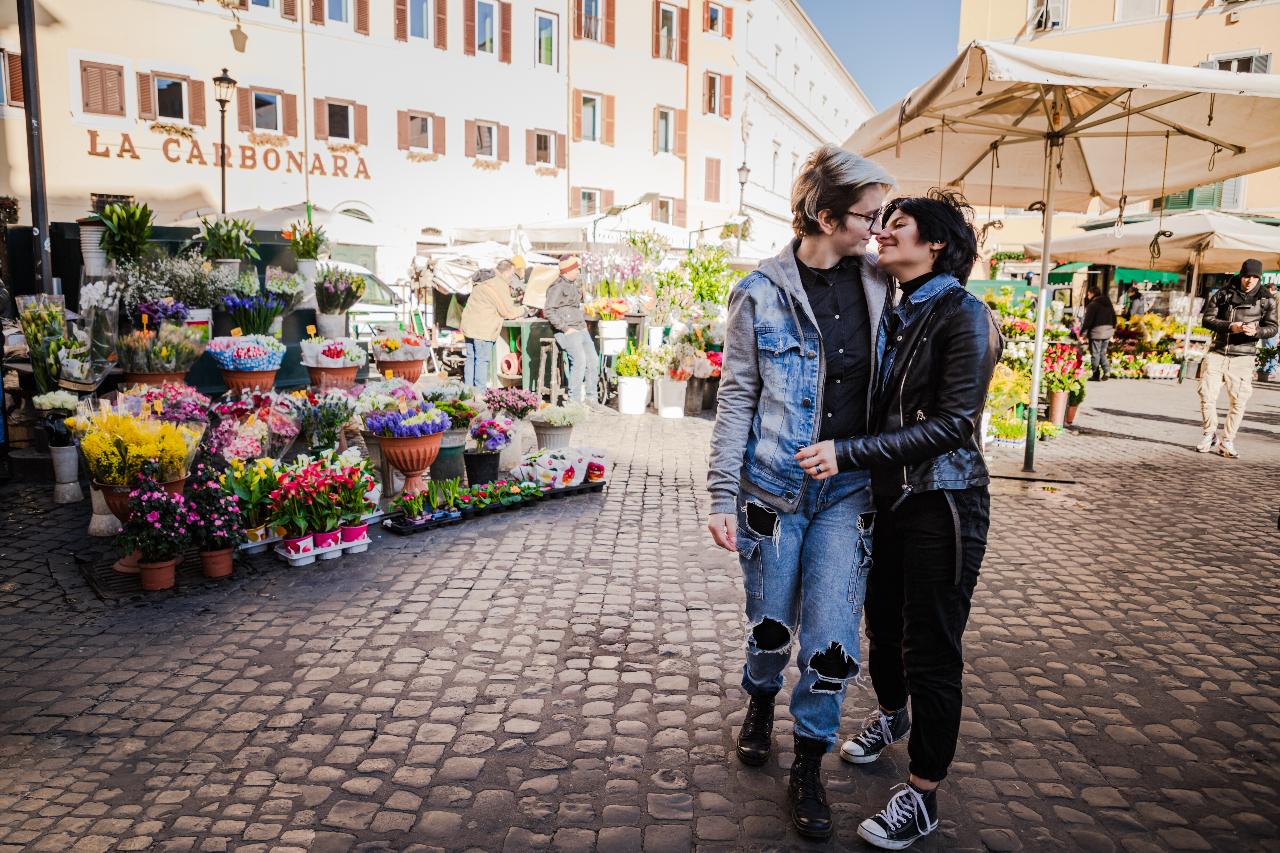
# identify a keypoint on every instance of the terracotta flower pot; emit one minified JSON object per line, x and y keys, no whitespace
{"x":117,"y":497}
{"x":325,"y":378}
{"x":177,"y":376}
{"x":216,"y":564}
{"x":411,"y":456}
{"x":157,"y":576}
{"x":1071,"y":414}
{"x":248,"y":380}
{"x":1057,"y":407}
{"x":407,"y":370}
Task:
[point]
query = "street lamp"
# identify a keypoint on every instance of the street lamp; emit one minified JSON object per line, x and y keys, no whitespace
{"x":743,"y":174}
{"x":223,"y":88}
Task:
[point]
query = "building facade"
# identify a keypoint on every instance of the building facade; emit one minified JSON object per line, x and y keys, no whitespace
{"x":426,"y":115}
{"x":1223,"y":34}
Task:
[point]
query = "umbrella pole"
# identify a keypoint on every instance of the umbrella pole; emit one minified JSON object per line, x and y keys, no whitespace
{"x":1192,"y":287}
{"x":1042,"y":311}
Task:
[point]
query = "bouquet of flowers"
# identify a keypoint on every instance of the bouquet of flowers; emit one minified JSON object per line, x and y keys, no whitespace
{"x":386,"y":395}
{"x":158,"y":520}
{"x":215,"y":510}
{"x":187,"y":278}
{"x":460,"y":413}
{"x":56,"y":406}
{"x":436,"y":391}
{"x":171,"y":349}
{"x":115,"y":444}
{"x":251,"y":483}
{"x":99,"y":308}
{"x":42,"y":317}
{"x":173,"y":402}
{"x":513,"y":402}
{"x":248,"y":352}
{"x":402,"y":347}
{"x":491,"y":435}
{"x":615,"y":308}
{"x":161,"y":311}
{"x":412,"y":423}
{"x":306,"y":240}
{"x":252,"y":426}
{"x":254,"y":315}
{"x":352,"y":485}
{"x":332,"y":352}
{"x":570,"y":414}
{"x":337,"y":290}
{"x":321,"y":416}
{"x":1063,"y":368}
{"x":286,"y":286}
{"x":716,"y":358}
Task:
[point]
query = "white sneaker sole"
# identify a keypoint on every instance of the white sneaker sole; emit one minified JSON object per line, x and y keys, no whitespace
{"x":859,"y":759}
{"x":884,"y":843}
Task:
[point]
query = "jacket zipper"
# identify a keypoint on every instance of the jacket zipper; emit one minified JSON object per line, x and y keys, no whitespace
{"x":906,"y":486}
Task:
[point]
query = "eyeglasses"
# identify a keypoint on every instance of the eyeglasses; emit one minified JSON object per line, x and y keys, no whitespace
{"x":870,"y":218}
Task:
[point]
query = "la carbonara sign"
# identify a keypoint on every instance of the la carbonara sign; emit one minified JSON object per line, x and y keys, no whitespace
{"x":190,"y":152}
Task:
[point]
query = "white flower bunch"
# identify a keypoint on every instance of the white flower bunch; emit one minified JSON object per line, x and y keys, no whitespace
{"x":56,"y":400}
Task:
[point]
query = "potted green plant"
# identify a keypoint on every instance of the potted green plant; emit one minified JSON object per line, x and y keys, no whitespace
{"x":228,"y":241}
{"x":307,"y":242}
{"x":1075,"y":396}
{"x":633,"y":385}
{"x":126,"y":231}
{"x":336,"y":291}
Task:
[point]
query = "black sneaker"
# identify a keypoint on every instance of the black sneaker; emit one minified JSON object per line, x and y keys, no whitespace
{"x":878,"y":731}
{"x":755,"y":741}
{"x":910,"y":815}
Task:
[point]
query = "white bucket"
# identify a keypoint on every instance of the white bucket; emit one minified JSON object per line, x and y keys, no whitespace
{"x":633,"y":395}
{"x":668,"y":397}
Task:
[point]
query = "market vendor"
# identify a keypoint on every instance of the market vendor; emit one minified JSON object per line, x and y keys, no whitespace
{"x":563,"y":310}
{"x":489,"y":304}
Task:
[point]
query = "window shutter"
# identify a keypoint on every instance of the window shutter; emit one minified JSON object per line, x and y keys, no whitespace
{"x":322,"y":118}
{"x":706,"y":90}
{"x":682,"y":132}
{"x":657,"y":120}
{"x":244,"y":109}
{"x":469,"y":28}
{"x":90,"y":89}
{"x":653,"y":210}
{"x":682,"y":19}
{"x":711,"y":187}
{"x":726,"y":95}
{"x":1232,"y":192}
{"x":681,"y":217}
{"x":706,"y":17}
{"x":146,"y":95}
{"x":1262,"y":63}
{"x":562,"y":151}
{"x":113,"y":89}
{"x":608,"y":119}
{"x":289,"y":10}
{"x":402,"y":129}
{"x":728,"y":23}
{"x":504,"y":46}
{"x":577,"y":18}
{"x":442,"y":24}
{"x":195,"y":95}
{"x":577,"y":115}
{"x":362,"y":17}
{"x":402,"y":20}
{"x":606,"y":200}
{"x":610,"y":8}
{"x":437,"y":134}
{"x":362,"y":124}
{"x":290,"y":115}
{"x":530,"y":147}
{"x":13,"y":65}
{"x":317,"y":12}
{"x":469,"y":138}
{"x":657,"y":29}
{"x":575,"y":201}
{"x":504,"y":143}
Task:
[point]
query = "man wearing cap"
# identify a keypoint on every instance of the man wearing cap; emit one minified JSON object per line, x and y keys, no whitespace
{"x":488,"y":305}
{"x":1239,"y":315}
{"x":563,"y":310}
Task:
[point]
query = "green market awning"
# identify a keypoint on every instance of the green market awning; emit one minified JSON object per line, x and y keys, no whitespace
{"x":1126,"y":274}
{"x":1065,"y":273}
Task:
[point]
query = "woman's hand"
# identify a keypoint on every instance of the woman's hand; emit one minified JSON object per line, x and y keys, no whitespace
{"x":819,"y":460}
{"x":724,"y":530}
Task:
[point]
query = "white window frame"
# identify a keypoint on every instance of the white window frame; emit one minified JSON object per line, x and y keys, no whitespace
{"x":493,"y":140}
{"x":351,"y":121}
{"x":673,"y":52}
{"x":279,"y":128}
{"x":431,"y":131}
{"x":539,"y":15}
{"x":428,"y":12}
{"x":596,"y":199}
{"x":185,"y":82}
{"x":551,"y":148}
{"x":773,"y":172}
{"x":497,"y":28}
{"x":593,"y":27}
{"x":670,"y":205}
{"x":346,"y":12}
{"x":667,"y":143}
{"x":1233,"y":56}
{"x":715,"y":83}
{"x":717,"y":26}
{"x":597,"y":119}
{"x":1042,"y":10}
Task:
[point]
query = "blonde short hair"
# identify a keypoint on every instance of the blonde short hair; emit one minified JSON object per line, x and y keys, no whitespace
{"x":831,"y":179}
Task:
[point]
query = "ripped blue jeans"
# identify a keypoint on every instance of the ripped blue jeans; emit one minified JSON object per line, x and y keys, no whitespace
{"x":805,"y":574}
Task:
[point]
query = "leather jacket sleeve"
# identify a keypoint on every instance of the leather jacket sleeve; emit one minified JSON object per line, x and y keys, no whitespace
{"x":968,"y":347}
{"x":1269,"y":326}
{"x":1210,"y":318}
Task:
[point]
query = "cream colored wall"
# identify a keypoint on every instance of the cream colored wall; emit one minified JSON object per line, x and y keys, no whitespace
{"x":712,"y":135}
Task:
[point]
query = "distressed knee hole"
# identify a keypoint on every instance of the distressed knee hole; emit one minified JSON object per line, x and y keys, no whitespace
{"x":833,"y":668}
{"x":761,"y":520}
{"x":770,"y":635}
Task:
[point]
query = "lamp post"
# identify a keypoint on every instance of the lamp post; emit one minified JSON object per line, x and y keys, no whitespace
{"x":743,"y":174}
{"x":223,"y":88}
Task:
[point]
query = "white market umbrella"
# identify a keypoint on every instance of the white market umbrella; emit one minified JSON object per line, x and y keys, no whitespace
{"x":1206,"y":241}
{"x":1020,"y":126}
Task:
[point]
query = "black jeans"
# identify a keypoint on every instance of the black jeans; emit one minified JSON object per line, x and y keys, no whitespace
{"x":917,"y":605}
{"x":1098,"y":355}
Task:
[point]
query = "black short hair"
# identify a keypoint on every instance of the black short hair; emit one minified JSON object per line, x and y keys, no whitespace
{"x":943,"y":216}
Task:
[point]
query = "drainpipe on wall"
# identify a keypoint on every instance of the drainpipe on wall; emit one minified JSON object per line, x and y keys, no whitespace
{"x":1168,"y":33}
{"x":305,"y":108}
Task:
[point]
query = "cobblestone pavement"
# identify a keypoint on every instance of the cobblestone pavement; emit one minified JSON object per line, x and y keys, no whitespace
{"x":566,"y":677}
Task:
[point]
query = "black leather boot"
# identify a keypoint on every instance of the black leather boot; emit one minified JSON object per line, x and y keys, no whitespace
{"x":755,"y":741}
{"x":806,"y":798}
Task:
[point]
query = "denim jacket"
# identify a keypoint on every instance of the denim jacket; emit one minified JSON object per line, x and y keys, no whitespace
{"x":771,"y":384}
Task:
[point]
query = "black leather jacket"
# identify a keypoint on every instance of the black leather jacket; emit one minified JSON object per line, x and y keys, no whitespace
{"x":927,"y":420}
{"x":1231,"y":304}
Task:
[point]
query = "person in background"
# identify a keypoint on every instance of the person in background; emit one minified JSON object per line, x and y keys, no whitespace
{"x":489,"y":304}
{"x":1098,"y":327}
{"x":1239,"y":315}
{"x":1270,"y":366}
{"x":1136,"y":304}
{"x":563,"y":311}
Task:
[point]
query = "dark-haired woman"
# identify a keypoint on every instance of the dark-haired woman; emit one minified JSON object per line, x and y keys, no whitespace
{"x":938,"y":348}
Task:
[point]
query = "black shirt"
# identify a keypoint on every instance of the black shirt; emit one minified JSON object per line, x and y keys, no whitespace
{"x":840,"y":306}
